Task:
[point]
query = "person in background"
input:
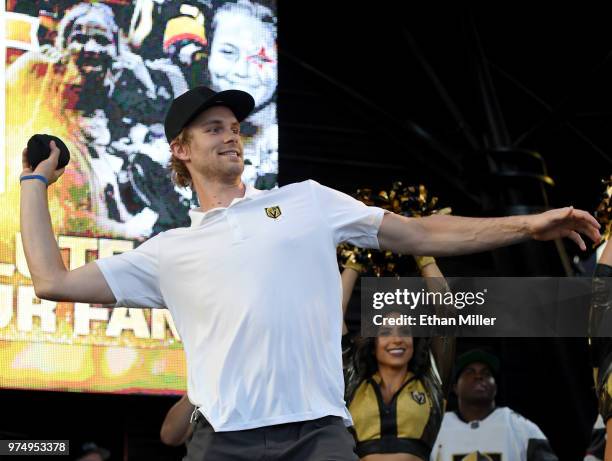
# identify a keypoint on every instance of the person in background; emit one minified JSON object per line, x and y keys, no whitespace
{"x":185,"y":44}
{"x":396,"y":383}
{"x":243,"y":56}
{"x":479,"y":427}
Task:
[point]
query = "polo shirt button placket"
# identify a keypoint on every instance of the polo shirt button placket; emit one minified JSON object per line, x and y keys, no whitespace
{"x":237,"y":234}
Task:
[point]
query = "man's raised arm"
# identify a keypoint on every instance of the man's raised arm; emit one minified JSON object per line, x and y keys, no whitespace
{"x":453,"y":235}
{"x":50,"y":277}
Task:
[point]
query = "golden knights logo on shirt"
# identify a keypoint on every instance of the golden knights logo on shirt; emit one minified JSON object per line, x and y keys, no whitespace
{"x":273,"y":212}
{"x":418,"y":397}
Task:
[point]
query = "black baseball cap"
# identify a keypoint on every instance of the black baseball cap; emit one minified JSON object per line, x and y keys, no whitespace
{"x":188,"y":105}
{"x":473,"y":356}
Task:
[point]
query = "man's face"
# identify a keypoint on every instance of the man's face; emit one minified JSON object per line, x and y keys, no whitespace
{"x":91,"y":43}
{"x":215,"y":149}
{"x":476,"y":384}
{"x":243,"y":57}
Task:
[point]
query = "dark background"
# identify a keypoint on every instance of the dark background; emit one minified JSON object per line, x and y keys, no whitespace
{"x":372,"y":93}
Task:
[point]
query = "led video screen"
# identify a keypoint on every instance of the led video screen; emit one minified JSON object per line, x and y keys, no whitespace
{"x":101,"y":75}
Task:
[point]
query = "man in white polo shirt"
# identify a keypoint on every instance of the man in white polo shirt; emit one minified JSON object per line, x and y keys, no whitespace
{"x":253,"y":284}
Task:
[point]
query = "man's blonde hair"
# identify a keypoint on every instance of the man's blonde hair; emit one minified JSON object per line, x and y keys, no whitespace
{"x":178,"y":170}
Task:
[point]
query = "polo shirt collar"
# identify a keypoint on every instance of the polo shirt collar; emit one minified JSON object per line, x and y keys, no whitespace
{"x":198,"y":216}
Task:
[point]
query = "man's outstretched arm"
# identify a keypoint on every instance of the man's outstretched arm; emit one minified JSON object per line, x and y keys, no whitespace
{"x":50,"y":277}
{"x":454,"y":235}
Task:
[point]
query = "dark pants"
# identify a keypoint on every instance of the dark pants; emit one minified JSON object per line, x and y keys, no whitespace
{"x":323,"y":439}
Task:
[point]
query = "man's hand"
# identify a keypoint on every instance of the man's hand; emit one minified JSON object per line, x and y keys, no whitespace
{"x":564,"y":222}
{"x":46,"y":168}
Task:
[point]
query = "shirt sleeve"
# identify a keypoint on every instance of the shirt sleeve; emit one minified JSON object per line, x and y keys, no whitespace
{"x":349,"y":219}
{"x":525,"y":427}
{"x":536,"y":445}
{"x":133,"y":276}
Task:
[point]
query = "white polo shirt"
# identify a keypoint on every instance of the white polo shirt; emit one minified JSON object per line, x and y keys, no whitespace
{"x":254,"y":290}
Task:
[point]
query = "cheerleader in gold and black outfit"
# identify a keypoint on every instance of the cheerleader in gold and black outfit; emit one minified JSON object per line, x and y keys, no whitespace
{"x":396,"y":385}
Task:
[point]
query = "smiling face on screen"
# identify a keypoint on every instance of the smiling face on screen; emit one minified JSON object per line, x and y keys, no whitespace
{"x":243,"y":55}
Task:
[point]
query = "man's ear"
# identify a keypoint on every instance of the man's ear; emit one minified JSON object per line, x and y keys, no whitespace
{"x":180,"y":151}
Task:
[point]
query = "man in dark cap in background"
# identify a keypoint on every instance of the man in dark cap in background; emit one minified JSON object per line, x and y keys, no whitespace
{"x":479,"y":427}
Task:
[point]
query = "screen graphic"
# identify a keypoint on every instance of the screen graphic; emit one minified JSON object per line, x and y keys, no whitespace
{"x":101,"y":76}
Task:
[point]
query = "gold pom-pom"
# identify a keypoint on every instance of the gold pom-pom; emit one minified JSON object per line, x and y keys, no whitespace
{"x":410,"y":201}
{"x":603,"y":213}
